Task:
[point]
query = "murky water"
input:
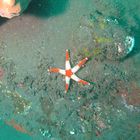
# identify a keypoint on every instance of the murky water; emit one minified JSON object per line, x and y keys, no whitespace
{"x":33,"y":102}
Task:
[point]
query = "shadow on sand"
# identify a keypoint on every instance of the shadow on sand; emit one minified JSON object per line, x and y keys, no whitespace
{"x":2,"y":20}
{"x":47,"y":8}
{"x":43,"y":8}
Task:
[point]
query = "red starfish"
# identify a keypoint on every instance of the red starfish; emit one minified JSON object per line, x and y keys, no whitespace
{"x":69,"y":72}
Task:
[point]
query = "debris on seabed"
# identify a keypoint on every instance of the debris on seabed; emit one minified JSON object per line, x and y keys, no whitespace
{"x":72,"y":132}
{"x":21,"y":105}
{"x":45,"y":132}
{"x":129,"y":107}
{"x":130,"y":42}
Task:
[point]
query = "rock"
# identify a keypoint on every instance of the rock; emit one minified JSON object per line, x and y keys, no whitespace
{"x":102,"y":37}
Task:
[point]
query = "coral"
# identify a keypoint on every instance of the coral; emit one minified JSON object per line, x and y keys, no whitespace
{"x":103,"y":33}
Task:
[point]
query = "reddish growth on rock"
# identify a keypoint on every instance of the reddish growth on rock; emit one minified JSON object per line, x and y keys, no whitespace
{"x":1,"y":72}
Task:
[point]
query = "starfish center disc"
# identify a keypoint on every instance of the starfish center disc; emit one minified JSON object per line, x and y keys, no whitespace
{"x":69,"y":73}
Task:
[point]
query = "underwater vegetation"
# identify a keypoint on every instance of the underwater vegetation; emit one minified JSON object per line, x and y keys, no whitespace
{"x":99,"y":36}
{"x":21,"y":105}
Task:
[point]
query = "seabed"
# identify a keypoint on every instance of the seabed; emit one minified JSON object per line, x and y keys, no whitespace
{"x":33,"y":104}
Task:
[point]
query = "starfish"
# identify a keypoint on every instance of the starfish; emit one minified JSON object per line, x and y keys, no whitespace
{"x":69,"y":72}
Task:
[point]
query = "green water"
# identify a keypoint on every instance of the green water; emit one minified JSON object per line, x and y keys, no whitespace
{"x":47,"y":29}
{"x":8,"y":133}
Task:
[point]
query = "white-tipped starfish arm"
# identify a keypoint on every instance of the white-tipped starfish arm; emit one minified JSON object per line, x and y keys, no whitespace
{"x":77,"y":79}
{"x":79,"y":65}
{"x":67,"y":83}
{"x":67,"y":65}
{"x":62,"y":72}
{"x":57,"y":70}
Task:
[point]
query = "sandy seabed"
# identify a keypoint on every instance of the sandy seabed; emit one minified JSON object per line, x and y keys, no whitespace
{"x":33,"y":102}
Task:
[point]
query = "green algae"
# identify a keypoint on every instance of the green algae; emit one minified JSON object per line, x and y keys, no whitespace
{"x":21,"y":105}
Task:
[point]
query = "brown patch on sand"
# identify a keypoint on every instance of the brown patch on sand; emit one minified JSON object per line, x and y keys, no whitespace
{"x":1,"y":72}
{"x":131,"y":93}
{"x":17,"y":126}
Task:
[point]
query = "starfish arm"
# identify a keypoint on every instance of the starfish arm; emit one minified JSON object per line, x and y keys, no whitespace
{"x":57,"y":70}
{"x":79,"y":65}
{"x":67,"y":63}
{"x":77,"y":79}
{"x":67,"y":82}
